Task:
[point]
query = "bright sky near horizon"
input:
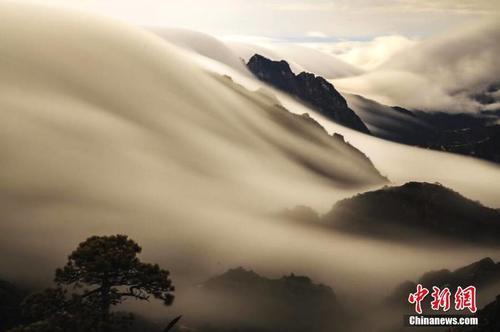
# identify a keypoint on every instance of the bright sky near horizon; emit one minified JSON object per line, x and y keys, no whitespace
{"x":311,"y":20}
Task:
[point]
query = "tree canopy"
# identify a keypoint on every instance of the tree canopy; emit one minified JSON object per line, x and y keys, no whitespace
{"x":101,"y":272}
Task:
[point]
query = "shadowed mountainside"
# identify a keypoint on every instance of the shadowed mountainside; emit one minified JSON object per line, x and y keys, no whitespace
{"x":309,"y":88}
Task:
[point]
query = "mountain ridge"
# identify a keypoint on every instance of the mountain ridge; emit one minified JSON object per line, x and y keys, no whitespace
{"x":397,"y":212}
{"x":309,"y":88}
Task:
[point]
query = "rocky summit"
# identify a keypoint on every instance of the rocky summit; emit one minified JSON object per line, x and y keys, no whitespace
{"x":307,"y":87}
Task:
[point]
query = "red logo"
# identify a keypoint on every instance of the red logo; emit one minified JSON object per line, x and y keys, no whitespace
{"x":441,"y":298}
{"x":465,"y":298}
{"x":417,"y":297}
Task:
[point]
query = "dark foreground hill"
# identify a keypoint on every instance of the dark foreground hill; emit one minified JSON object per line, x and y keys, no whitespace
{"x":256,"y":304}
{"x":309,"y":88}
{"x":413,"y":210}
{"x":489,"y":319}
{"x":10,"y":300}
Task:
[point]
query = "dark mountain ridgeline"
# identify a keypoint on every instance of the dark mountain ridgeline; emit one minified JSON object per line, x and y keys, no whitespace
{"x":466,"y":134}
{"x":291,"y":303}
{"x":311,"y":89}
{"x":481,"y":274}
{"x":399,"y":212}
{"x":470,"y":134}
{"x":391,"y":123}
{"x":416,"y":213}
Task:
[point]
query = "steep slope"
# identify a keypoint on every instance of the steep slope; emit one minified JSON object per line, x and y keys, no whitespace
{"x":307,"y":87}
{"x":415,"y":209}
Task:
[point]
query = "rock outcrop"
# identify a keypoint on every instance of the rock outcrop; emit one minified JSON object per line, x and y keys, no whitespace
{"x":307,"y":87}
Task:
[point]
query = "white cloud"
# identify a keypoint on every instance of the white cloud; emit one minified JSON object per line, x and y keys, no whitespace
{"x":403,"y":88}
{"x":460,"y":60}
{"x":316,"y":34}
{"x":370,"y":54}
{"x":435,"y":74}
{"x":296,"y":18}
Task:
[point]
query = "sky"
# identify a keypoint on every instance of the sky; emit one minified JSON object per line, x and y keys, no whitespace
{"x":422,"y":54}
{"x":313,"y":20}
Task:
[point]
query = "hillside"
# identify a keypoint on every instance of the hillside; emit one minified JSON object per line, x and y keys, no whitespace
{"x":415,"y":209}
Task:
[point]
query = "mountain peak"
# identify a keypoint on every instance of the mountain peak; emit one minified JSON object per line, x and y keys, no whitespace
{"x":309,"y":88}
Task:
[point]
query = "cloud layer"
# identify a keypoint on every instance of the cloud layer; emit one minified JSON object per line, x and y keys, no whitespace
{"x":286,"y":18}
{"x":440,"y":73}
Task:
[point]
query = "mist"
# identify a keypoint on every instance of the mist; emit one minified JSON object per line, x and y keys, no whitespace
{"x":440,"y":73}
{"x":109,"y":128}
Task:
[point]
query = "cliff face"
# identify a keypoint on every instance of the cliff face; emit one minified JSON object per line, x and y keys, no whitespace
{"x":311,"y":89}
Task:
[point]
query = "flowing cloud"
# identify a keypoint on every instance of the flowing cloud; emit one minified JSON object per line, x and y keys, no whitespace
{"x":369,"y":54}
{"x":403,"y":88}
{"x":353,"y":18}
{"x":440,"y":73}
{"x":448,"y":6}
{"x":461,"y":60}
{"x":109,"y":129}
{"x":316,"y":34}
